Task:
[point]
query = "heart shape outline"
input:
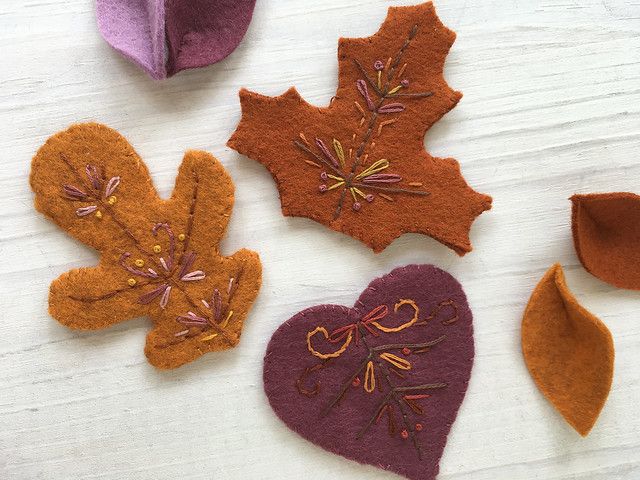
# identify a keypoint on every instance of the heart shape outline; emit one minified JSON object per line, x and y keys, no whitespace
{"x":389,"y":398}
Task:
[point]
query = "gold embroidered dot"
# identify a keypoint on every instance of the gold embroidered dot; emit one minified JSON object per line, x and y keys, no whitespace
{"x":181,"y":237}
{"x":139,"y":262}
{"x":132,"y":282}
{"x":157,"y":249}
{"x":112,"y":199}
{"x":98,"y":214}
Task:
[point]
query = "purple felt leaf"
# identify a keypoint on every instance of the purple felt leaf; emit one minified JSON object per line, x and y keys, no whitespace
{"x":202,"y":32}
{"x":167,"y":36}
{"x":379,"y":383}
{"x":135,"y":28}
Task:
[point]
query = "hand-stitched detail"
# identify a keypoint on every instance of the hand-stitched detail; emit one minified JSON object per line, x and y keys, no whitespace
{"x":355,"y":178}
{"x":359,"y":165}
{"x":380,"y":362}
{"x":158,"y":258}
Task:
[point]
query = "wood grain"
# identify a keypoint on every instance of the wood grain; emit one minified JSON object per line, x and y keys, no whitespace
{"x":551,"y":107}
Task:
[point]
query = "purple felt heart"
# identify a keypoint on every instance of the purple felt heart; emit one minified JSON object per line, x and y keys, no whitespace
{"x":167,"y":36}
{"x":379,"y":383}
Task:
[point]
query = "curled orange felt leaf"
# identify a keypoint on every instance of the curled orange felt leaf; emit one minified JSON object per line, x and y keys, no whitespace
{"x":606,"y":234}
{"x":568,"y":351}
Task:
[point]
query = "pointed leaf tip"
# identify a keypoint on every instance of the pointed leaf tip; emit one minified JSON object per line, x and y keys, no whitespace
{"x":568,"y":351}
{"x":606,"y":235}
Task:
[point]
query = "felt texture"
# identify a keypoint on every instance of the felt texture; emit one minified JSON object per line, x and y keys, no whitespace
{"x":202,"y":32}
{"x":136,"y":29}
{"x":379,"y":383}
{"x":167,"y":36}
{"x":158,"y":258}
{"x":568,"y":351}
{"x":606,"y":235}
{"x":359,"y":165}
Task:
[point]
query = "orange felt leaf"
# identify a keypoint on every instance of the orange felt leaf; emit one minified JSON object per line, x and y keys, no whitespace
{"x":158,"y":258}
{"x":568,"y":351}
{"x":606,"y":234}
{"x":359,"y":165}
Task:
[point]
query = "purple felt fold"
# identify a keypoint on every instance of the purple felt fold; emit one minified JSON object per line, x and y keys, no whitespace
{"x":167,"y":36}
{"x":202,"y":32}
{"x":332,"y":402}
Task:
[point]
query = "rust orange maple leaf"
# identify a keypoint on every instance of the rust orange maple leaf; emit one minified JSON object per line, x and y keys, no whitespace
{"x":158,"y":258}
{"x":359,"y":165}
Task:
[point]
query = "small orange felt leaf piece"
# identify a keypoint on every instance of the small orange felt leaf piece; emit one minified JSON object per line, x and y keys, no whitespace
{"x":359,"y":165}
{"x":568,"y":351}
{"x":158,"y":258}
{"x":606,"y":235}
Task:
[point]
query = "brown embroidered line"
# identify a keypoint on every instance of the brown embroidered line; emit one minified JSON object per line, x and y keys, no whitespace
{"x":106,"y":295}
{"x":382,"y":359}
{"x":301,"y":381}
{"x":150,"y":257}
{"x":436,"y":311}
{"x":368,"y":358}
{"x":221,"y":313}
{"x":351,"y":182}
{"x":192,"y":209}
{"x":394,"y":390}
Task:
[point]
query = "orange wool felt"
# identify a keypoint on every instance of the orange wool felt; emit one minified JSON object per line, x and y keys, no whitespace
{"x":359,"y":165}
{"x":158,"y":258}
{"x":606,"y":234}
{"x":568,"y":351}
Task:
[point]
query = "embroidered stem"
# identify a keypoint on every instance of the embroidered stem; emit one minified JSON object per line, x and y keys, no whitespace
{"x":167,"y":277}
{"x":368,"y":178}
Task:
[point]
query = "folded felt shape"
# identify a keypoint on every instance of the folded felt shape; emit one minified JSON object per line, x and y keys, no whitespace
{"x":381,"y":382}
{"x":568,"y":351}
{"x":606,"y":235}
{"x":158,"y":258}
{"x":359,"y":165}
{"x":167,"y":36}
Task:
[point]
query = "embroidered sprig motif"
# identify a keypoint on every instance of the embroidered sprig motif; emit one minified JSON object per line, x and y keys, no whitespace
{"x":384,"y":369}
{"x":354,"y":175}
{"x":359,"y":165}
{"x":158,"y":258}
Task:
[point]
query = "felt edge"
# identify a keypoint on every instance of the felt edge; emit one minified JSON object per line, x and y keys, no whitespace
{"x":149,"y":69}
{"x":251,"y":256}
{"x":170,"y":63}
{"x":578,"y":212}
{"x":319,"y":308}
{"x":436,"y":271}
{"x":35,"y":160}
{"x":246,"y":96}
{"x":560,"y":284}
{"x":192,"y":156}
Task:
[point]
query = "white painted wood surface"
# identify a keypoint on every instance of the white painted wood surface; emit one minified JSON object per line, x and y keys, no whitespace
{"x":551,"y":107}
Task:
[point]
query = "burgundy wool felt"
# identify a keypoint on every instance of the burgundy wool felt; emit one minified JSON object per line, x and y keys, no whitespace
{"x":202,"y":32}
{"x":379,"y":383}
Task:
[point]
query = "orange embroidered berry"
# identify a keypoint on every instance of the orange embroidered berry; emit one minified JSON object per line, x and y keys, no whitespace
{"x":356,"y":382}
{"x":112,"y":200}
{"x":181,"y":237}
{"x":157,"y":249}
{"x":406,"y":351}
{"x":418,"y":427}
{"x":132,"y":282}
{"x":404,"y":434}
{"x":139,"y":263}
{"x":98,"y":214}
